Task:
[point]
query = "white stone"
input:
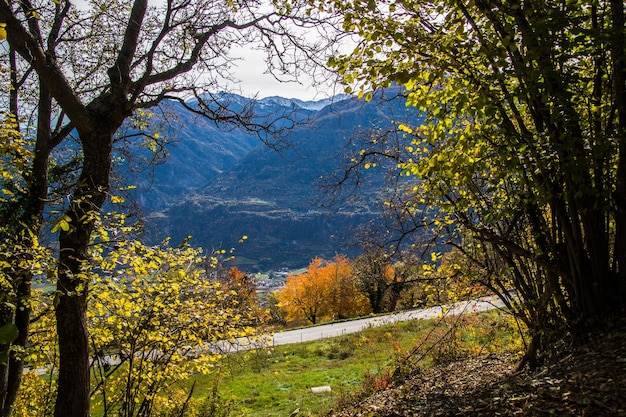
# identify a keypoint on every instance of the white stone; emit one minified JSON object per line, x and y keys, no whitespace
{"x":317,"y":390}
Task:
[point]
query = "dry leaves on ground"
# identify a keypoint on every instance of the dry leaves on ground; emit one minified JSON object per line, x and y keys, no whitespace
{"x":584,"y":379}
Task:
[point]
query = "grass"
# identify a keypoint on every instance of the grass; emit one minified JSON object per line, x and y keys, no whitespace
{"x":278,"y":381}
{"x":44,"y":287}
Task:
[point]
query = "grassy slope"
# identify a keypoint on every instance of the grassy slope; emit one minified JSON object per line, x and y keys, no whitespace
{"x":277,"y":382}
{"x":582,"y":377}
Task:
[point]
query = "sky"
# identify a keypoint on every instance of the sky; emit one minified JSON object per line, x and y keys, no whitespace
{"x":254,"y":82}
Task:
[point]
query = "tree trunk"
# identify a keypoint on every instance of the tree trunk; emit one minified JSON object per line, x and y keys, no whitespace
{"x":31,"y":208}
{"x":15,"y":365}
{"x":73,"y":282}
{"x":73,"y":383}
{"x":619,"y":84}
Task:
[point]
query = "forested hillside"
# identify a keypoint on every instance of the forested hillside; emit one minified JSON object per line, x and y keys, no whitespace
{"x":217,"y":185}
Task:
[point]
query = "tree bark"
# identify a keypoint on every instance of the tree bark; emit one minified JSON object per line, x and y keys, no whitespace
{"x":618,"y":58}
{"x":31,"y":208}
{"x":73,"y":383}
{"x":73,"y":397}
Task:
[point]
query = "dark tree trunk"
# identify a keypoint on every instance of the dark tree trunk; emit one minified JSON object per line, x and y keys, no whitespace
{"x":31,"y":209}
{"x":73,"y":382}
{"x":618,"y":57}
{"x":73,"y":398}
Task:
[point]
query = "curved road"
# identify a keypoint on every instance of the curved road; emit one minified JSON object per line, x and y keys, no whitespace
{"x":325,"y":331}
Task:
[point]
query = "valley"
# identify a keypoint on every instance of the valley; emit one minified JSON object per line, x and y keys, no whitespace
{"x":217,"y":184}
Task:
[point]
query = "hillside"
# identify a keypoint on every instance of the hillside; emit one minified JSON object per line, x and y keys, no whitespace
{"x":583,"y":378}
{"x":196,"y":151}
{"x":218,"y":186}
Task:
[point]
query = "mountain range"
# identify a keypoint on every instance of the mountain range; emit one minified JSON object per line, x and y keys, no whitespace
{"x":218,"y":183}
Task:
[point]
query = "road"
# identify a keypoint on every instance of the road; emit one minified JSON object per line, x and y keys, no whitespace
{"x":326,"y":331}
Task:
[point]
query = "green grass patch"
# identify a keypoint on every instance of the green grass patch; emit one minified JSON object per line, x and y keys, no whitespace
{"x":44,"y":287}
{"x":275,"y":382}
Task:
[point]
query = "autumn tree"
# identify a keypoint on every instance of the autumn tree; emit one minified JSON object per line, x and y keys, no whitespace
{"x":448,"y":277}
{"x":523,"y":145}
{"x":276,"y":314}
{"x":22,"y":256}
{"x":326,"y":291}
{"x":374,"y":275}
{"x":241,"y":290}
{"x":94,"y":67}
{"x":305,"y":296}
{"x":346,"y":300}
{"x":25,"y":192}
{"x":154,"y":316}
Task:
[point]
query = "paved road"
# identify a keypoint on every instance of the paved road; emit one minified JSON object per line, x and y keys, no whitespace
{"x":337,"y":329}
{"x":326,"y":331}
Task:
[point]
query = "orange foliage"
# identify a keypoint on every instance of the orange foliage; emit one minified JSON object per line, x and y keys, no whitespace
{"x":327,"y":290}
{"x":240,"y":288}
{"x":345,"y":298}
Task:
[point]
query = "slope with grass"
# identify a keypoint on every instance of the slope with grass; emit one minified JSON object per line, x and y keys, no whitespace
{"x":584,"y":377}
{"x":278,"y":381}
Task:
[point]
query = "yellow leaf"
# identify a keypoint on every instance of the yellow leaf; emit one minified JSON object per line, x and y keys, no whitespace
{"x":3,"y":31}
{"x":404,"y":128}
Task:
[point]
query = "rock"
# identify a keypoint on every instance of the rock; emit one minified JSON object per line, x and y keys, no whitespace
{"x":317,"y":390}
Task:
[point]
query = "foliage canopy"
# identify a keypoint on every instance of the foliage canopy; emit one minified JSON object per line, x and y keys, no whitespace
{"x":84,"y":71}
{"x":326,"y":290}
{"x":521,"y":158}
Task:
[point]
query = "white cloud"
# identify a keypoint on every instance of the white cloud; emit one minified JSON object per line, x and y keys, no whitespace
{"x":251,"y":71}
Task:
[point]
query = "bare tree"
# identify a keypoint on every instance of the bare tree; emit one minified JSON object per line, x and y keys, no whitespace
{"x":95,"y":67}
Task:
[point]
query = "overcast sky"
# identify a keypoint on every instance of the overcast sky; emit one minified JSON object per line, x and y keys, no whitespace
{"x":255,"y":82}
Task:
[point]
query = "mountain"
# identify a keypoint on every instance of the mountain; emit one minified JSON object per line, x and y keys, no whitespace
{"x":197,"y":151}
{"x":308,"y":105}
{"x":219,"y":186}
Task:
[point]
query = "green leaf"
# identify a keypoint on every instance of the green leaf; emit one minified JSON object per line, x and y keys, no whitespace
{"x":63,"y":223}
{"x":8,"y":333}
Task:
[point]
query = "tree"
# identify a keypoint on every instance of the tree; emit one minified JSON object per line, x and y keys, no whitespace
{"x":305,"y":296}
{"x":345,"y":298}
{"x":276,"y":314}
{"x":327,"y":290}
{"x":448,"y":278}
{"x":97,"y":66}
{"x":154,"y":315}
{"x":374,"y":275}
{"x":22,"y":212}
{"x":241,"y":291}
{"x":22,"y":256}
{"x":520,"y":161}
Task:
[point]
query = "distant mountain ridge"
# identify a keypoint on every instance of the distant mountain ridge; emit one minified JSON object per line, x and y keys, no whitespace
{"x":308,"y":105}
{"x":220,"y":185}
